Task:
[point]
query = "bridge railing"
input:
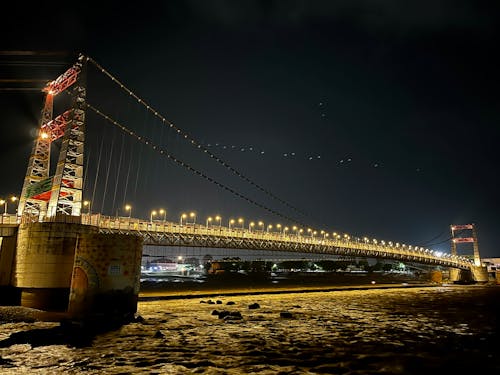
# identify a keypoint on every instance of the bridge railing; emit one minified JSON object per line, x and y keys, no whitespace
{"x":126,"y":224}
{"x":157,"y":227}
{"x":9,"y":219}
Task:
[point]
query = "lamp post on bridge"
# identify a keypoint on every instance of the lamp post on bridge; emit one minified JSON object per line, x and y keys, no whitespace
{"x":87,"y":204}
{"x":241,"y":221}
{"x":164,"y":213}
{"x":209,"y":220}
{"x":183,"y":216}
{"x":261,"y":225}
{"x":285,"y":229}
{"x":250,"y":226}
{"x":219,"y":219}
{"x":192,"y":215}
{"x":128,"y":208}
{"x":13,"y":199}
{"x":153,"y":214}
{"x":231,"y":222}
{"x":4,"y":202}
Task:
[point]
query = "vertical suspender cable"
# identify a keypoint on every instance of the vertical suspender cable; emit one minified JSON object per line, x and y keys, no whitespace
{"x":97,"y":170}
{"x":128,"y":175}
{"x":118,"y":172}
{"x":107,"y":173}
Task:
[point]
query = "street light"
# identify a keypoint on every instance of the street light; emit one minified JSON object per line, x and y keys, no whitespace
{"x":87,"y":204}
{"x":209,"y":220}
{"x":285,"y":229}
{"x":128,"y":208}
{"x":250,"y":226}
{"x":230,"y":223}
{"x":13,"y":199}
{"x":4,"y":202}
{"x":261,"y":224}
{"x":164,"y":213}
{"x":183,"y":216}
{"x":278,"y":226}
{"x":309,"y":230}
{"x":269,"y":227}
{"x":219,"y":219}
{"x":153,"y":213}
{"x":192,"y":215}
{"x":241,"y":222}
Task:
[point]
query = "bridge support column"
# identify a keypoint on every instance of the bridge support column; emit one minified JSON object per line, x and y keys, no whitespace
{"x":77,"y":272}
{"x":106,"y":276}
{"x":44,"y":263}
{"x":454,"y":274}
{"x":476,"y":274}
{"x":436,"y":276}
{"x":8,"y":238}
{"x":480,"y":274}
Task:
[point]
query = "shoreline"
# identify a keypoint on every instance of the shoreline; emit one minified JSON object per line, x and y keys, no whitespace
{"x":156,"y":295}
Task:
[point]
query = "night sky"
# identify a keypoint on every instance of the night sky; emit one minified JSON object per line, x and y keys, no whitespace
{"x":376,"y":118}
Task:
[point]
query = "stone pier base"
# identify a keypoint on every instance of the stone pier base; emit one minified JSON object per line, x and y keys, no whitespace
{"x":71,"y":268}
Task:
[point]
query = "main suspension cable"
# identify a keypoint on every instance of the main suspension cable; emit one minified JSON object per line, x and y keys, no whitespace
{"x":194,"y":142}
{"x":164,"y":152}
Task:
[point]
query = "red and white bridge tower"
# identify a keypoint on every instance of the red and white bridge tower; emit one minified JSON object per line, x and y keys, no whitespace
{"x":45,"y":196}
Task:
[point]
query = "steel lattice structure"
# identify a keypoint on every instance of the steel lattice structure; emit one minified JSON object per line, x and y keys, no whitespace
{"x":171,"y":234}
{"x":43,"y":195}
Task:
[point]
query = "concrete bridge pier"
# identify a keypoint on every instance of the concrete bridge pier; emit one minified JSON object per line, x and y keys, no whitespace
{"x":72,"y":269}
{"x":475,"y":274}
{"x":8,"y":240}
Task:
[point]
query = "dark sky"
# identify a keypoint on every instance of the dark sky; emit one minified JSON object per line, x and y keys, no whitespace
{"x":377,"y":118}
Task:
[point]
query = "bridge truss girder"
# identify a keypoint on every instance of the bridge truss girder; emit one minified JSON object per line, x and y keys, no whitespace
{"x":213,"y":241}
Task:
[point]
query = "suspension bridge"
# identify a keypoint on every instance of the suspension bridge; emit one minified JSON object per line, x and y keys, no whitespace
{"x":92,"y":182}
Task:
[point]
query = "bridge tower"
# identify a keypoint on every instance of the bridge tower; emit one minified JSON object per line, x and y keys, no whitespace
{"x":471,"y":237}
{"x":44,"y":196}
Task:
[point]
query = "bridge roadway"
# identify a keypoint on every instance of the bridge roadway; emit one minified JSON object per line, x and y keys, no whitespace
{"x":166,"y":233}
